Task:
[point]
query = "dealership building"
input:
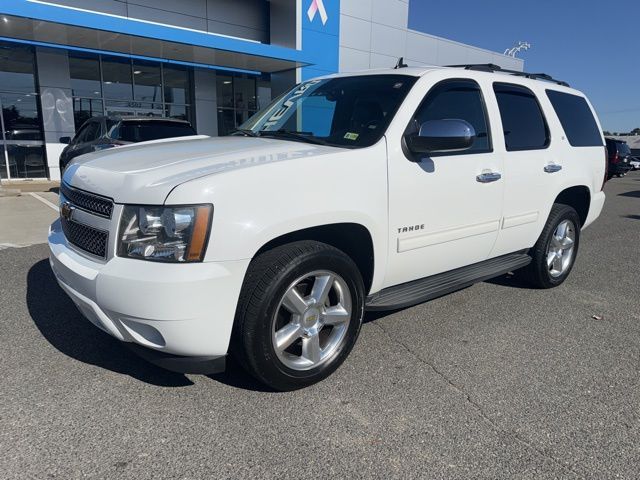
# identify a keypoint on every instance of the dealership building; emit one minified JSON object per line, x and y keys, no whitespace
{"x":212,"y":62}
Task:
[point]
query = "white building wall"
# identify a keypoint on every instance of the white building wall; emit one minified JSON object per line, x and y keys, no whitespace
{"x":374,"y":34}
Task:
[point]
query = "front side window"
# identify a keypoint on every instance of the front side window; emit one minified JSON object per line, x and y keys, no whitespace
{"x":523,"y":123}
{"x":352,"y":112}
{"x":576,"y":119}
{"x":90,"y":132}
{"x":460,"y":100}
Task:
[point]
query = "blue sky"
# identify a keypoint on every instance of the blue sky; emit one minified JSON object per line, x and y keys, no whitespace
{"x":593,"y":45}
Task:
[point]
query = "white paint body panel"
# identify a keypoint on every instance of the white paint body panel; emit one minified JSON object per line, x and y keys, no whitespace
{"x":264,"y":188}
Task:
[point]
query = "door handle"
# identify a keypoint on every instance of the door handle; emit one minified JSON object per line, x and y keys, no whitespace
{"x":552,"y":168}
{"x":488,"y":177}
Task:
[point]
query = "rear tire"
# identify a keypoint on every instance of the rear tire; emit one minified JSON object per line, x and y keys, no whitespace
{"x":299,"y":314}
{"x":554,"y":254}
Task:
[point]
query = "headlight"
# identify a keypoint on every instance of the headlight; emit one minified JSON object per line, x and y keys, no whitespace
{"x":165,"y":234}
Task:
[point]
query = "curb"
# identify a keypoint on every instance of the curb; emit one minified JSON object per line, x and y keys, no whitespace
{"x":9,"y":192}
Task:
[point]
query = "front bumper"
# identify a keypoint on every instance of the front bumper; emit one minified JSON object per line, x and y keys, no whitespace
{"x":183,"y":310}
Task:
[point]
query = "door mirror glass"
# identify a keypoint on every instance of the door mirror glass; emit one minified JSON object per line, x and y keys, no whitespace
{"x":65,"y":140}
{"x":442,"y":136}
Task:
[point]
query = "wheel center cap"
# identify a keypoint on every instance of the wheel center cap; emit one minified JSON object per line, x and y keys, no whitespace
{"x":311,"y":317}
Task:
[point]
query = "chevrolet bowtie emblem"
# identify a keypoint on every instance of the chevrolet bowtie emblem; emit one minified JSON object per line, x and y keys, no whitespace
{"x":66,"y":211}
{"x":317,"y":6}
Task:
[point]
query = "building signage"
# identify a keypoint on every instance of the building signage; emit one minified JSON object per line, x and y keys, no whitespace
{"x":317,"y":7}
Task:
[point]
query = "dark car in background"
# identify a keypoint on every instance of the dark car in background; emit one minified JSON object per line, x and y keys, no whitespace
{"x":619,"y":157}
{"x":100,"y":133}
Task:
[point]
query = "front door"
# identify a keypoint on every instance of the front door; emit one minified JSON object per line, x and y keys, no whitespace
{"x":445,"y":209}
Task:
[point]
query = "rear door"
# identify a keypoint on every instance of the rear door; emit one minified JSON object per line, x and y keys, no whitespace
{"x":532,"y":172}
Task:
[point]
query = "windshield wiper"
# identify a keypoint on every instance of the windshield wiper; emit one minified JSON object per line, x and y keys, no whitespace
{"x":245,"y":132}
{"x":301,"y":136}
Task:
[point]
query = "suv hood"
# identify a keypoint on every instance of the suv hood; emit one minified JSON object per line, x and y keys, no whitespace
{"x":146,"y":173}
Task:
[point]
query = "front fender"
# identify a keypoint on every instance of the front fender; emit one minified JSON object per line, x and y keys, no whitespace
{"x":255,"y":205}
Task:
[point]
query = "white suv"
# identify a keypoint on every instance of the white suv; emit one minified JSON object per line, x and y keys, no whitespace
{"x":368,"y":191}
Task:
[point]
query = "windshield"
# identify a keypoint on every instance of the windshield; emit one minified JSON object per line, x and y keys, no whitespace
{"x":352,"y":112}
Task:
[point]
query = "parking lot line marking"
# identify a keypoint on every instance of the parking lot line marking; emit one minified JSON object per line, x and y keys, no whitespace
{"x":45,"y":201}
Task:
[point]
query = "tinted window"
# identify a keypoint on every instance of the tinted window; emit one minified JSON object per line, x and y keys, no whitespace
{"x":576,"y":119}
{"x":145,"y":131}
{"x":90,"y":132}
{"x":523,"y":123}
{"x":624,"y":149}
{"x":457,"y":99}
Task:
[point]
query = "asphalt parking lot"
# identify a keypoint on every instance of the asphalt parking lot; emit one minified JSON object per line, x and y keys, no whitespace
{"x":494,"y":381}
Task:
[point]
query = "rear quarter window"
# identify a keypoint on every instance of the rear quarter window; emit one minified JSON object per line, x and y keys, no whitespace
{"x":576,"y":118}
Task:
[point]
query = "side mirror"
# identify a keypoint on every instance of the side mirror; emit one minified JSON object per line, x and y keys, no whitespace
{"x":65,"y":140}
{"x":438,"y":136}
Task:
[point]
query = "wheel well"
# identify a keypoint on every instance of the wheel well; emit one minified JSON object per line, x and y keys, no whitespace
{"x":577,"y":197}
{"x":352,"y":238}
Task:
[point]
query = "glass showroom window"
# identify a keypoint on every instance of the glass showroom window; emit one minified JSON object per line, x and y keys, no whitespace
{"x":21,"y":143}
{"x":86,"y":87}
{"x":108,"y":85}
{"x":237,"y":101}
{"x":177,"y":91}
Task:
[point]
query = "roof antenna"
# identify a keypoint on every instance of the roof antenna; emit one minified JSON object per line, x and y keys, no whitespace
{"x":400,"y":64}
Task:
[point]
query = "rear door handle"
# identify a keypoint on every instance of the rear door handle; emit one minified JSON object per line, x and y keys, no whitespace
{"x":552,"y":168}
{"x":488,"y":177}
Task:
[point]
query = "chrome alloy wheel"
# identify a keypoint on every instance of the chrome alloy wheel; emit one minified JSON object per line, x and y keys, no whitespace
{"x":561,"y":248}
{"x":311,"y":320}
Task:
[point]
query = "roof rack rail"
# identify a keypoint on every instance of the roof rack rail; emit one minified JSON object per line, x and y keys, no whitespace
{"x":491,"y":67}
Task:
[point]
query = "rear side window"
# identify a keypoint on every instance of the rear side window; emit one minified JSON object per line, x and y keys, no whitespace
{"x":462,"y":100}
{"x":624,"y":149}
{"x":146,"y":131}
{"x":524,"y":125}
{"x":576,"y":119}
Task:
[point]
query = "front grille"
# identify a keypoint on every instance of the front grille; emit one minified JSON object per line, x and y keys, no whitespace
{"x":90,"y":202}
{"x":86,"y":238}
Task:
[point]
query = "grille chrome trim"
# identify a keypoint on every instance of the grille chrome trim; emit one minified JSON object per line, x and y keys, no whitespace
{"x":88,"y":239}
{"x":90,"y":202}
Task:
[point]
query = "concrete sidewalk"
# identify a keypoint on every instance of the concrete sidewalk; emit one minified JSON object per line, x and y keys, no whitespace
{"x":16,"y":188}
{"x":25,"y":219}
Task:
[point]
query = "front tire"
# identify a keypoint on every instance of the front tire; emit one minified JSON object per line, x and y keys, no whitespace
{"x":554,"y":254}
{"x":299,"y":314}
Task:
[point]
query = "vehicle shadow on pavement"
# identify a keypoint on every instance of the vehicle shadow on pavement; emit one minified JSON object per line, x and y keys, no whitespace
{"x":235,"y":376}
{"x":510,"y":280}
{"x":64,"y":327}
{"x":633,"y":194}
